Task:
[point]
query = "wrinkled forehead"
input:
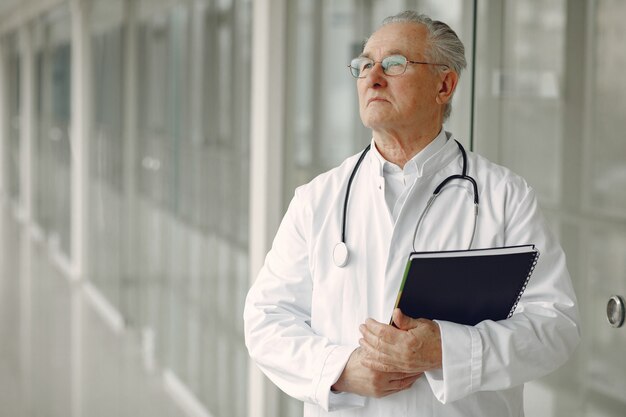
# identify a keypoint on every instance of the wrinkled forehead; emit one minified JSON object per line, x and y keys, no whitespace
{"x":409,"y":39}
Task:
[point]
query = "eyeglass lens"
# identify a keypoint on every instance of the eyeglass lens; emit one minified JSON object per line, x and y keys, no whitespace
{"x":392,"y":65}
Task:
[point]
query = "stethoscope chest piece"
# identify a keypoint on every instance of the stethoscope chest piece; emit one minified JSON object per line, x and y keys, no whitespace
{"x":340,"y":254}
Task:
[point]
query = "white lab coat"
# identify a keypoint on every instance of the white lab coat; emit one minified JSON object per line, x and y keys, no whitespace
{"x":302,"y":314}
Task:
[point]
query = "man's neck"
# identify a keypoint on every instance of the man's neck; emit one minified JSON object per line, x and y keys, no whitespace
{"x":399,"y":149}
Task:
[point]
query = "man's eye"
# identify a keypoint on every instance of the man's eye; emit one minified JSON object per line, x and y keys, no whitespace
{"x":394,"y":62}
{"x":366,"y":66}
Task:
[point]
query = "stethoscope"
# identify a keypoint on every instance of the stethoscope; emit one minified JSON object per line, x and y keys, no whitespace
{"x":341,"y":253}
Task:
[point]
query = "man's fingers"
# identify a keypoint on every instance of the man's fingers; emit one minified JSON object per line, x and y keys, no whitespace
{"x":390,"y":349}
{"x":401,"y":376}
{"x":381,"y":365}
{"x":403,"y":322}
{"x":381,"y":356}
{"x":404,"y":383}
{"x":381,"y":337}
{"x":376,"y":358}
{"x":372,"y":329}
{"x":377,"y":366}
{"x":398,"y":383}
{"x":409,"y":380}
{"x":372,"y":381}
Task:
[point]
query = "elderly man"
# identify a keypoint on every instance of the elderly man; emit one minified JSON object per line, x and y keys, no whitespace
{"x":315,"y":319}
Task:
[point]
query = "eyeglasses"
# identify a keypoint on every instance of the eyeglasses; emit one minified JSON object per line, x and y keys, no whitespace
{"x":392,"y":65}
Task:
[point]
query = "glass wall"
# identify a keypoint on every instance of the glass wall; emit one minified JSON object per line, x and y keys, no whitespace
{"x":11,"y":131}
{"x":168,"y":173}
{"x":605,"y":146}
{"x":51,"y":162}
{"x":523,"y":86}
{"x":550,"y":100}
{"x":603,"y":209}
{"x":107,"y":213}
{"x":169,"y":156}
{"x":191,"y":217}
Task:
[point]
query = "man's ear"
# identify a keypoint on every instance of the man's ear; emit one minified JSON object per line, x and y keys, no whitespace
{"x":448,"y":84}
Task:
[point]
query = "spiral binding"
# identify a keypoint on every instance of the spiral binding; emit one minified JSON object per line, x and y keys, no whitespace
{"x":530,"y":272}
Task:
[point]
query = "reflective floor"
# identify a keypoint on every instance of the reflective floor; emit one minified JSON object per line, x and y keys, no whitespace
{"x":58,"y":357}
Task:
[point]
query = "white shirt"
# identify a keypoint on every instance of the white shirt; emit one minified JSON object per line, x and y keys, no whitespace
{"x":397,"y":182}
{"x":302,"y":313}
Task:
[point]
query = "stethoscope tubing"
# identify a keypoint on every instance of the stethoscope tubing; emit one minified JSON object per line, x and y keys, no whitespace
{"x":345,"y":201}
{"x":341,"y":252}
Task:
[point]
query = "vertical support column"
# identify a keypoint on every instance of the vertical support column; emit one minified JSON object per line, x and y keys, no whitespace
{"x":79,"y":138}
{"x":79,"y":143}
{"x":489,"y":43}
{"x":577,"y":50}
{"x":27,"y":121}
{"x":577,"y":125}
{"x":266,"y":160}
{"x":131,"y":267}
{"x":196,"y":70}
{"x":4,"y":127}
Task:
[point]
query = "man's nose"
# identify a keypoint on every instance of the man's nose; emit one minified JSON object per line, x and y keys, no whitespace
{"x":376,"y":76}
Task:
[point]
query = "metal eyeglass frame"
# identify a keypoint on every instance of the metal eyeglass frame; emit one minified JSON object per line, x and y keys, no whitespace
{"x":406,"y":63}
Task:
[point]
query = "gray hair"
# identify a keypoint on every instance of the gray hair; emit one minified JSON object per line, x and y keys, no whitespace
{"x":445,"y":47}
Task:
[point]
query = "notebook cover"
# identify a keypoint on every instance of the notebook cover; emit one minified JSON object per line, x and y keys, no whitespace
{"x":465,"y":289}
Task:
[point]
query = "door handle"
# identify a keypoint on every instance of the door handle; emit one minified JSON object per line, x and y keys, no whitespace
{"x":615,"y":311}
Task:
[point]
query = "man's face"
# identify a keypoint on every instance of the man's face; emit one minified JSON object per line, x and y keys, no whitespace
{"x":402,"y":102}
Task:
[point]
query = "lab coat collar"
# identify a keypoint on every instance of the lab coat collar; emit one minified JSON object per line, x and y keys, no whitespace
{"x":422,"y":163}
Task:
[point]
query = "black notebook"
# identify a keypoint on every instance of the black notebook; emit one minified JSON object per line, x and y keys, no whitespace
{"x":467,"y":286}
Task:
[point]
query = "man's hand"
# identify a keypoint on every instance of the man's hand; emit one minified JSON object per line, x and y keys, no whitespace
{"x":413,"y":347}
{"x":368,"y":382}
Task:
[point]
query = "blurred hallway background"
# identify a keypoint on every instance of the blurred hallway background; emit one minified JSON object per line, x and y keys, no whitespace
{"x":148,"y":149}
{"x":57,"y":356}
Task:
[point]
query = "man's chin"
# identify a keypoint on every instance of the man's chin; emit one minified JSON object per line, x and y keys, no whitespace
{"x":377,"y":123}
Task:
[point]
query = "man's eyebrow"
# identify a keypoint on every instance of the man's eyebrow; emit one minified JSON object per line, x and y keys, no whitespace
{"x":388,"y":53}
{"x":394,"y":52}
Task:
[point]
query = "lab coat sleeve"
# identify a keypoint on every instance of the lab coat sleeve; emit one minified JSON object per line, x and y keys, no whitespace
{"x":537,"y":339}
{"x":277,"y":317}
